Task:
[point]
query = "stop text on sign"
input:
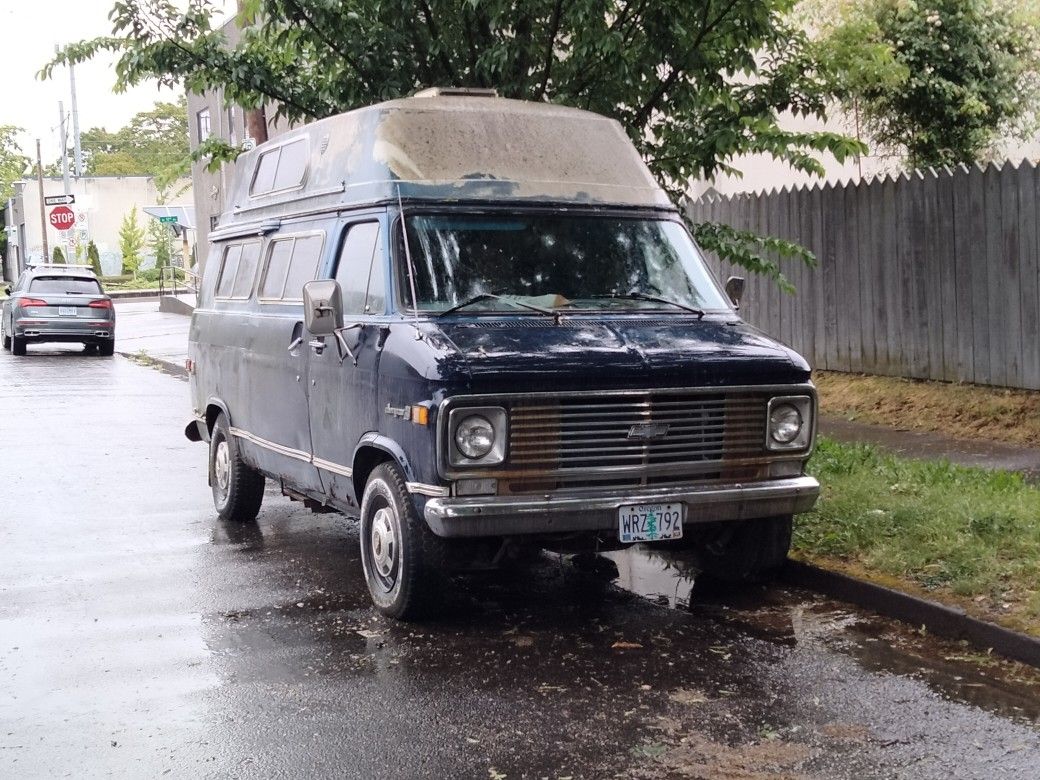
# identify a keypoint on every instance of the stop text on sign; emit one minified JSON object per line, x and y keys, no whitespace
{"x":62,"y":218}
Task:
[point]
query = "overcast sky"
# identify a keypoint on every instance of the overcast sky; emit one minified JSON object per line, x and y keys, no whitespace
{"x":30,"y":29}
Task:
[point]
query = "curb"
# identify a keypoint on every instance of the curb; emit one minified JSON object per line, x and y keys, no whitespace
{"x":166,"y":366}
{"x":941,"y":620}
{"x":118,"y":295}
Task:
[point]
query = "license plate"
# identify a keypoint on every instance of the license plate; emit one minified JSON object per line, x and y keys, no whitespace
{"x":650,"y":522}
{"x":66,"y":311}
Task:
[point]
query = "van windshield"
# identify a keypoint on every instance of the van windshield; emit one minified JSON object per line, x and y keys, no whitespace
{"x":566,"y":262}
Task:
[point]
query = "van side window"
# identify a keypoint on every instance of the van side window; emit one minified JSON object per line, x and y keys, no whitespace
{"x":278,"y":256}
{"x":291,"y":262}
{"x":359,"y":271}
{"x":228,"y":270}
{"x":304,"y":265}
{"x":282,"y":168}
{"x":246,"y":270}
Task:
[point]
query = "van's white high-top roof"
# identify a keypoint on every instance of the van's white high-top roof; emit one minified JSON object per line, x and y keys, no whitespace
{"x":444,"y":148}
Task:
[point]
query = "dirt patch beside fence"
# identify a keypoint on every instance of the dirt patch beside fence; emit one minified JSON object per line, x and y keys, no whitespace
{"x":958,"y":410}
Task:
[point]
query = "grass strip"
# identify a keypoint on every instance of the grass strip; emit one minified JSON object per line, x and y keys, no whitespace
{"x":964,"y":536}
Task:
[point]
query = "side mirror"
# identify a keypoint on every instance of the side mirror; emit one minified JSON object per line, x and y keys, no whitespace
{"x":322,"y":307}
{"x":735,"y":289}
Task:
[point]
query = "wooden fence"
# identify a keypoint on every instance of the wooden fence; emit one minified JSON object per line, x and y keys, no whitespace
{"x":928,"y":275}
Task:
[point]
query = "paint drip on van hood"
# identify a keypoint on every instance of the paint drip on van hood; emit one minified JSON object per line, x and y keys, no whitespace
{"x":523,"y":354}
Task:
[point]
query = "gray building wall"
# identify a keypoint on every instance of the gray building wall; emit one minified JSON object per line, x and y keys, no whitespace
{"x":227,"y":123}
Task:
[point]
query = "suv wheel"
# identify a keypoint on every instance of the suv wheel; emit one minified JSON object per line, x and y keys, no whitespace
{"x":747,"y":551}
{"x":6,"y":338}
{"x":238,"y":490}
{"x":107,"y":348}
{"x":18,"y":345}
{"x":404,"y":560}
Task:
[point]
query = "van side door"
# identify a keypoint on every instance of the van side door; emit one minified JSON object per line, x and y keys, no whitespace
{"x":273,"y":374}
{"x":343,"y":405}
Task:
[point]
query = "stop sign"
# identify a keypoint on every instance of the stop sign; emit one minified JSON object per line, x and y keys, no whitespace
{"x":62,"y":217}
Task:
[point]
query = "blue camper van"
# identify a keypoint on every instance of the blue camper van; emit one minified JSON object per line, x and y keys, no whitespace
{"x":477,"y":324}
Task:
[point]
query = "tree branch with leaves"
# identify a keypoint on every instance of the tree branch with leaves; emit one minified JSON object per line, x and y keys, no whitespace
{"x":695,"y":83}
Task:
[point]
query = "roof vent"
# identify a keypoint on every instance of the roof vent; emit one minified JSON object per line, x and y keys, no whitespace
{"x":457,"y":92}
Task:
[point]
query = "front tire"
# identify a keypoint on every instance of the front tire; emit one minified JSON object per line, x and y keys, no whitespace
{"x":404,"y":561}
{"x":18,"y":345}
{"x":743,"y":552}
{"x":238,"y":489}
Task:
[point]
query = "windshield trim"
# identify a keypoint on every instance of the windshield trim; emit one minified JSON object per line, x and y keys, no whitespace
{"x":401,"y":305}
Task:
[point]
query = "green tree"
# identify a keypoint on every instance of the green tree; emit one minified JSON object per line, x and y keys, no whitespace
{"x":13,"y":164}
{"x":153,"y":143}
{"x":159,"y":243}
{"x":58,"y":256}
{"x":94,"y":258}
{"x":942,"y":80}
{"x":696,"y":83}
{"x":131,"y":242}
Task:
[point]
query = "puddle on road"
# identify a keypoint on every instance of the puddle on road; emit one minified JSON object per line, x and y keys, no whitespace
{"x":792,"y":616}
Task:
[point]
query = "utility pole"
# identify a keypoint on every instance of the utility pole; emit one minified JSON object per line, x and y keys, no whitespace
{"x":64,"y":147}
{"x":75,"y":123}
{"x":70,"y":240}
{"x":43,"y":208}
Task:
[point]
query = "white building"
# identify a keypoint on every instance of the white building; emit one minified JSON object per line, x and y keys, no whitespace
{"x":101,"y":203}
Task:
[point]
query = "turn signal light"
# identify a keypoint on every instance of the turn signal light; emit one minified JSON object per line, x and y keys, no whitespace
{"x":102,"y":304}
{"x":25,"y":303}
{"x":420,"y":415}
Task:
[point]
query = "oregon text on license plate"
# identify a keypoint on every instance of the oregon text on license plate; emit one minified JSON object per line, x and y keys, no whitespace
{"x":66,"y":311}
{"x":650,"y":522}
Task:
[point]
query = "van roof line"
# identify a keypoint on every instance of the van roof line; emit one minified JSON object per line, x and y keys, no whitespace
{"x":448,"y":145}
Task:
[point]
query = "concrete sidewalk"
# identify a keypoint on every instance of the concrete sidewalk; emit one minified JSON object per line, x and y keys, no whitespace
{"x":141,"y":327}
{"x":164,"y":337}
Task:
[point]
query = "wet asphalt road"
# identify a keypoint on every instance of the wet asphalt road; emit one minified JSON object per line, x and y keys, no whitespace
{"x":141,"y":638}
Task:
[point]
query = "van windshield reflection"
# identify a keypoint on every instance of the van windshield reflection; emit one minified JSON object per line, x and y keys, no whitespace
{"x":551,"y":262}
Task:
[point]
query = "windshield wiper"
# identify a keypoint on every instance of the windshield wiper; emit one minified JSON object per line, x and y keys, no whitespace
{"x":493,"y":297}
{"x":642,"y":296}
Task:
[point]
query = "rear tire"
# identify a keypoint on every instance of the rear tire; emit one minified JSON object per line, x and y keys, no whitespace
{"x":6,"y":338}
{"x":107,"y":348}
{"x":742,"y":552}
{"x":238,"y":489}
{"x":404,"y":560}
{"x":18,"y":345}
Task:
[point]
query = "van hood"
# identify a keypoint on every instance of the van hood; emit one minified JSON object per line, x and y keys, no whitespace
{"x":533,"y":353}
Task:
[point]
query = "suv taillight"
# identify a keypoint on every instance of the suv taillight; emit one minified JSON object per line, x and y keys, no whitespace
{"x":105,"y":304}
{"x":25,"y":303}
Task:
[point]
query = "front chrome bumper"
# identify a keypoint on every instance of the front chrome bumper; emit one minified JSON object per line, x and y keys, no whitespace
{"x":595,"y":511}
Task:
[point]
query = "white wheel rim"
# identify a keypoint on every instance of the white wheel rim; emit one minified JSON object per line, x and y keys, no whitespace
{"x":383,"y":541}
{"x":222,"y":465}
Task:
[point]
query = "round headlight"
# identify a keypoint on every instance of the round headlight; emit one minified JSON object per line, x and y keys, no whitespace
{"x":475,"y":436}
{"x":785,"y":423}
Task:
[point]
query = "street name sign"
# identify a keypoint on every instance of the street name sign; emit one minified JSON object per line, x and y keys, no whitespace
{"x":62,"y":217}
{"x":59,"y":200}
{"x":168,"y":220}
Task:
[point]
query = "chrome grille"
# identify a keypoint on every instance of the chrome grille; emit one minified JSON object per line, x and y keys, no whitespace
{"x":595,"y":440}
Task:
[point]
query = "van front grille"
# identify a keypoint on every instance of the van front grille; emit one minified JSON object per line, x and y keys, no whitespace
{"x":650,"y":438}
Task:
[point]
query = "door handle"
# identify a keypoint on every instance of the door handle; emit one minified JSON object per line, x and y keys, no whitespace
{"x":295,"y":343}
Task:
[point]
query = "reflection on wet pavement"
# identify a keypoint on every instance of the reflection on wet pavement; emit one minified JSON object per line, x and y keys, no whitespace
{"x":792,"y":615}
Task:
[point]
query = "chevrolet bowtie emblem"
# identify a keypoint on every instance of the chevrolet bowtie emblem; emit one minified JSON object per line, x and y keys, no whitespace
{"x":648,"y":431}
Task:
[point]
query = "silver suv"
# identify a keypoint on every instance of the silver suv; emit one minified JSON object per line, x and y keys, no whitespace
{"x":58,"y":303}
